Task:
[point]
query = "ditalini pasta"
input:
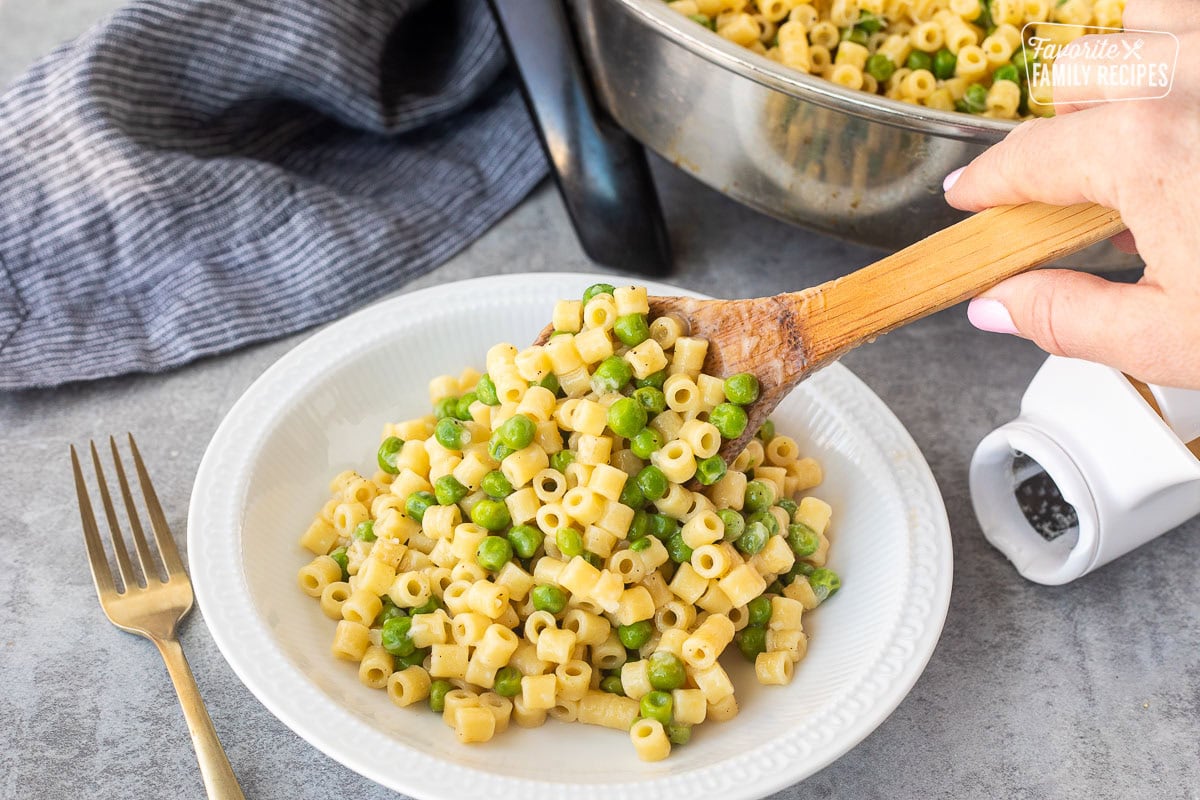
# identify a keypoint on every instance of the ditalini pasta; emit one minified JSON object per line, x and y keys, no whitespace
{"x":561,"y":538}
{"x":965,"y":55}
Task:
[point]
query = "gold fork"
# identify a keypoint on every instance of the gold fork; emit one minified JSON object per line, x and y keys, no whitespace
{"x":152,"y":606}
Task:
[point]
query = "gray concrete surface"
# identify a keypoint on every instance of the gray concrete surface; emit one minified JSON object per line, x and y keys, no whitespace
{"x":1089,"y":690}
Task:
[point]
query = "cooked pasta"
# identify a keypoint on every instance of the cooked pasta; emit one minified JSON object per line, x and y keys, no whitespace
{"x":915,"y":51}
{"x":561,"y":537}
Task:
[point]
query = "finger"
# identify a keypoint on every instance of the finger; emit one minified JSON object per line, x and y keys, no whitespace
{"x":1043,"y":160}
{"x":1136,"y":328}
{"x":1161,"y":15}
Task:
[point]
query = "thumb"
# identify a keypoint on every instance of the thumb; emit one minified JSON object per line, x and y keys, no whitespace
{"x":1078,"y":315}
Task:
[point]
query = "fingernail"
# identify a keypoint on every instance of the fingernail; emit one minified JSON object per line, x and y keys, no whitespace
{"x":952,"y":179}
{"x":991,"y":316}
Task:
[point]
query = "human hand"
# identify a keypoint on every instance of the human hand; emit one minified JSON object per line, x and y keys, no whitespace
{"x":1140,"y":158}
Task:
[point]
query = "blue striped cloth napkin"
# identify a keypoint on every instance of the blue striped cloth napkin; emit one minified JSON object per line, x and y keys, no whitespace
{"x":195,"y":175}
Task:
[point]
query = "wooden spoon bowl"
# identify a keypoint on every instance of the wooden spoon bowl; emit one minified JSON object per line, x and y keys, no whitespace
{"x":785,"y":338}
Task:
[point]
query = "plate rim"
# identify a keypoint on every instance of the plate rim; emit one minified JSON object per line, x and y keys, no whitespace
{"x":939,"y":574}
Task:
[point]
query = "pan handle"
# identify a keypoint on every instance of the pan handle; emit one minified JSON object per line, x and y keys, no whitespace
{"x":601,"y":171}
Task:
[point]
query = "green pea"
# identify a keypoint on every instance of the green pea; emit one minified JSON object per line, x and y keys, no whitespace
{"x":417,"y":503}
{"x":415,"y":659}
{"x":729,"y":420}
{"x":760,"y":610}
{"x":654,"y":379}
{"x":710,"y":470}
{"x":428,"y":607}
{"x":495,"y":485}
{"x":663,"y":527}
{"x":984,"y":20}
{"x":451,"y":434}
{"x":651,"y":399}
{"x":640,"y":527}
{"x":612,"y":685}
{"x":626,"y":417}
{"x":803,"y":568}
{"x":944,"y":64}
{"x":653,"y":482}
{"x":918,"y":59}
{"x":645,"y":442}
{"x":754,"y":539}
{"x":462,"y":409}
{"x":364,"y":531}
{"x":388,"y":451}
{"x":493,"y":553}
{"x":666,"y":671}
{"x":517,"y":431}
{"x":704,"y":20}
{"x":561,"y":460}
{"x":437,"y":694}
{"x":641,"y":545}
{"x":550,"y":382}
{"x":635,"y":636}
{"x":870,"y":22}
{"x":548,"y":598}
{"x":491,"y":514}
{"x":679,"y":733}
{"x":525,"y":540}
{"x":751,"y":641}
{"x":880,"y":67}
{"x":632,"y":329}
{"x":343,"y":561}
{"x":766,"y":519}
{"x":759,"y":496}
{"x":395,"y":638}
{"x":803,"y":540}
{"x":735,"y":524}
{"x":497,"y":449}
{"x":611,"y":375}
{"x":445,"y":408}
{"x":632,"y":496}
{"x":485,"y":389}
{"x":569,"y":541}
{"x":507,"y":682}
{"x":595,"y":289}
{"x":593,"y":558}
{"x":976,"y":98}
{"x":788,"y":505}
{"x":657,"y":705}
{"x":766,"y":431}
{"x":776,"y":587}
{"x":824,"y":582}
{"x":1007,"y":72}
{"x":388,"y":611}
{"x":741,"y":388}
{"x":448,"y":490}
{"x":1022,"y":59}
{"x":679,"y":549}
{"x":856,"y":35}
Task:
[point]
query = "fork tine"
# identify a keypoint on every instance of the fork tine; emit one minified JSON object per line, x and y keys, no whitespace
{"x":149,"y":567}
{"x":101,"y":574}
{"x":123,"y":563}
{"x":158,"y":520}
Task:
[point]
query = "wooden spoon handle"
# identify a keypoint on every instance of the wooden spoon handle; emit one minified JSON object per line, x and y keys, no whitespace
{"x":943,"y":269}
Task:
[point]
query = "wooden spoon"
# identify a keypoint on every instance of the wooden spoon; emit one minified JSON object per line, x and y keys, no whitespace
{"x":784,"y":339}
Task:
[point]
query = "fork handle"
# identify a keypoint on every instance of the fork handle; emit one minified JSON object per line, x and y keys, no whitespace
{"x":219,"y":780}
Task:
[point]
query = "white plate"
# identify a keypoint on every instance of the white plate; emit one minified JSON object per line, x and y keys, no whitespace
{"x":320,"y":410}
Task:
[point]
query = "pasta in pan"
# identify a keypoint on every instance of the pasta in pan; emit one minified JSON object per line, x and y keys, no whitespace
{"x":560,"y":538}
{"x":965,"y":55}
